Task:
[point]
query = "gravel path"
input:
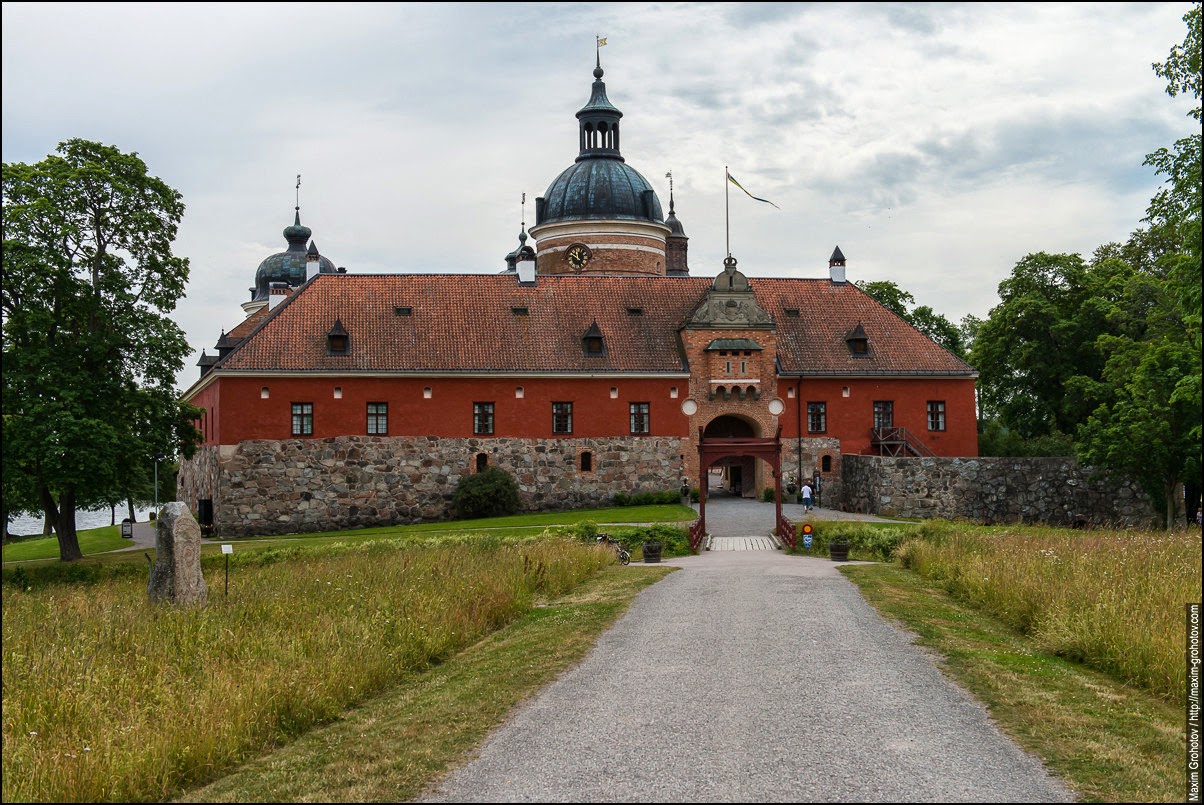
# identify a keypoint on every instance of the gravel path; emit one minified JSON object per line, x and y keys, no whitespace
{"x":751,"y":676}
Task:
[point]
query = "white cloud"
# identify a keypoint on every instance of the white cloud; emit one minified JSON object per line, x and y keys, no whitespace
{"x":936,"y":144}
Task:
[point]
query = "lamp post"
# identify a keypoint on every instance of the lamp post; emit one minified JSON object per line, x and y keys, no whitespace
{"x":158,"y":457}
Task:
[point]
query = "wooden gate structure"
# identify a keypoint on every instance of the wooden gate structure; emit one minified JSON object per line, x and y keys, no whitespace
{"x":715,"y":449}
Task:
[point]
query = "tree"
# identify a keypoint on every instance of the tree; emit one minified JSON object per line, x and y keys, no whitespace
{"x":1052,"y":309}
{"x":1147,"y":421}
{"x":90,"y":355}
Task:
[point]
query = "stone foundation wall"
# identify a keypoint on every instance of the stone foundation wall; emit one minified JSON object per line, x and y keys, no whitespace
{"x":296,"y":486}
{"x":199,"y":477}
{"x":1052,"y":491}
{"x":813,"y":450}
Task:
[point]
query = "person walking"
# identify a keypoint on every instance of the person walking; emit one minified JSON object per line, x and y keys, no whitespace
{"x":806,"y":493}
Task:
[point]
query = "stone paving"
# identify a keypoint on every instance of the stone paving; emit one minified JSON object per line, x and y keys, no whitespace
{"x":730,"y":516}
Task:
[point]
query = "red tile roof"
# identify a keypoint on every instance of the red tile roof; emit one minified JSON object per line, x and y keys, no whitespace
{"x":469,"y":323}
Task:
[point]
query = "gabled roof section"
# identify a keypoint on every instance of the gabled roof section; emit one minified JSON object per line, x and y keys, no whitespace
{"x":813,"y":343}
{"x":464,"y":323}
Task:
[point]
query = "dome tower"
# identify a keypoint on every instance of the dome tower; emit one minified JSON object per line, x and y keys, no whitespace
{"x":599,"y":216}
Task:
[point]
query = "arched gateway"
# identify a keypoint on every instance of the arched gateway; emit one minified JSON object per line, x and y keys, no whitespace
{"x":714,"y":450}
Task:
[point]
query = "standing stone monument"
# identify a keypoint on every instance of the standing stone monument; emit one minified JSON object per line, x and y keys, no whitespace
{"x":176,"y":575}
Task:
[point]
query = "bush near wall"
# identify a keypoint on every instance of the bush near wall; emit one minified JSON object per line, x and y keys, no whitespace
{"x":647,"y":498}
{"x":869,"y":542}
{"x":674,"y":540}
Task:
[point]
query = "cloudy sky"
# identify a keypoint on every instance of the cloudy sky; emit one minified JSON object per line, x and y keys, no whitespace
{"x":935,"y":144}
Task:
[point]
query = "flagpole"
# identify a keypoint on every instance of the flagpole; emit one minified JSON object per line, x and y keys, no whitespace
{"x":727,"y":218}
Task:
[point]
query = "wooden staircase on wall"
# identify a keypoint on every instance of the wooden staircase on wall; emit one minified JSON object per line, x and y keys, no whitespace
{"x":899,"y":442}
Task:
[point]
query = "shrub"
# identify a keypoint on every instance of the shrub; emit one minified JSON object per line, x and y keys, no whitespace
{"x":647,"y":498}
{"x":490,"y":493}
{"x":768,"y":494}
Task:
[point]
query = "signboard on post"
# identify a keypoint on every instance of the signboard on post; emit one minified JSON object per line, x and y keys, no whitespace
{"x":227,"y":549}
{"x":808,"y":533}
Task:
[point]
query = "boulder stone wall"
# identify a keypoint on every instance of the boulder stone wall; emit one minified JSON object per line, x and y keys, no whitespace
{"x":1050,"y":491}
{"x":305,"y":485}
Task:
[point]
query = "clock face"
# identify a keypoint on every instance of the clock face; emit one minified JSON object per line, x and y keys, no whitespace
{"x":578,"y":255}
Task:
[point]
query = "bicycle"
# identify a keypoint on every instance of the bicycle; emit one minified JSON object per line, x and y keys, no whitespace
{"x":620,"y":550}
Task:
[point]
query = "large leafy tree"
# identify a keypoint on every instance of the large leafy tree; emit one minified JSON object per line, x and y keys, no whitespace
{"x":1148,"y":418}
{"x":90,"y":354}
{"x":1043,"y":332}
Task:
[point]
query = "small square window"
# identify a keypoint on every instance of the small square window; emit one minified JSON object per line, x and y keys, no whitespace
{"x":562,"y":417}
{"x":817,"y":417}
{"x":936,"y":415}
{"x":639,"y":415}
{"x":303,"y":419}
{"x":378,"y":419}
{"x":482,"y":418}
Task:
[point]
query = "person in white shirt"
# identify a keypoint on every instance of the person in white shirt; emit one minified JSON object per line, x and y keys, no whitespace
{"x":806,"y":492}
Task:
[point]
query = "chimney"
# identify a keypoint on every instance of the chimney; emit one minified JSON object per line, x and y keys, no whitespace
{"x":312,"y":262}
{"x":836,"y":267}
{"x":276,"y":293}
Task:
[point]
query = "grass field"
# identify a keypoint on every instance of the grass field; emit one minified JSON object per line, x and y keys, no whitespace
{"x":105,"y":700}
{"x":393,"y":643}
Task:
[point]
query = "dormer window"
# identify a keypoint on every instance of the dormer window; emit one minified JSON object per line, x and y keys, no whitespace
{"x":859,"y":342}
{"x":592,"y":342}
{"x":338,"y":342}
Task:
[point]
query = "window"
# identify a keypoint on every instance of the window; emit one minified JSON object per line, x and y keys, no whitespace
{"x":936,"y":415}
{"x":378,"y":419}
{"x":587,"y":461}
{"x":303,"y":419}
{"x":826,"y":465}
{"x":639,"y":417}
{"x":562,"y":417}
{"x":592,"y":341}
{"x":884,"y":414}
{"x":482,"y":418}
{"x":482,"y":462}
{"x":338,"y":342}
{"x":743,"y":368}
{"x":817,"y":417}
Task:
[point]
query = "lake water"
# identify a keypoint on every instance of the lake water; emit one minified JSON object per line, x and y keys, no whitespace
{"x":83,"y":519}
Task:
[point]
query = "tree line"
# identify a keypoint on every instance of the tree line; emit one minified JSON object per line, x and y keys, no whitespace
{"x":1100,"y":357}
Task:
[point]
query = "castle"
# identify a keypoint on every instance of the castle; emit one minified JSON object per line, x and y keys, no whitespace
{"x":595,"y":363}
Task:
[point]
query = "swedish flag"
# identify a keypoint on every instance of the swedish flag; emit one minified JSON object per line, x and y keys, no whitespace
{"x":732,"y":179}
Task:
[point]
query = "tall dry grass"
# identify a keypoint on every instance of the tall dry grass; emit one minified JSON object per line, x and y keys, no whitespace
{"x":1113,"y":600}
{"x":106,"y":698}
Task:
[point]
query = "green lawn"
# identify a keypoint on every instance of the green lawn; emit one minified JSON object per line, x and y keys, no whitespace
{"x":107,"y":539}
{"x":91,"y":541}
